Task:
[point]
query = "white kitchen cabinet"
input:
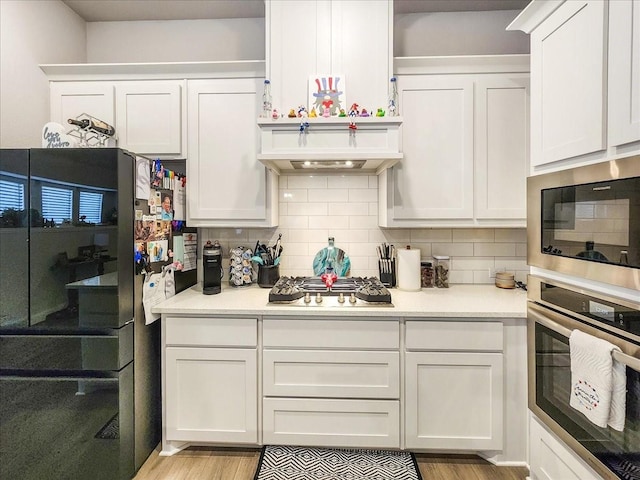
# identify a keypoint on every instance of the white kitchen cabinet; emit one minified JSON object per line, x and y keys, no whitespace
{"x":331,"y":382}
{"x":624,"y":72}
{"x":454,"y":385}
{"x":550,"y":459}
{"x":150,"y":117}
{"x":568,"y":81}
{"x":227,"y":185}
{"x":465,"y":144}
{"x":210,"y":381}
{"x":346,"y":38}
{"x":72,"y":99}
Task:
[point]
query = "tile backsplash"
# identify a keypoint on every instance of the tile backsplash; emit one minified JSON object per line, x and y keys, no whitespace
{"x":313,"y":208}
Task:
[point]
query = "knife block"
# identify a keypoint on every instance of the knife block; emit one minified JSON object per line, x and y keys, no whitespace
{"x":388,"y":278}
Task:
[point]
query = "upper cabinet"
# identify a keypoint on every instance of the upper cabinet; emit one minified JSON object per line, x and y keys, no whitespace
{"x":150,"y":117}
{"x":585,"y":80}
{"x":465,"y":144}
{"x":349,"y":39}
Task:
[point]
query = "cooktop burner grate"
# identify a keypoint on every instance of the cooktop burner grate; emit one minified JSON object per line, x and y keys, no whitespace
{"x":368,"y":290}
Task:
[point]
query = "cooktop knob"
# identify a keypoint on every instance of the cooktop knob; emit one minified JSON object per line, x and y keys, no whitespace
{"x":307,"y":298}
{"x":352,"y":298}
{"x":318,"y":298}
{"x":341,"y":298}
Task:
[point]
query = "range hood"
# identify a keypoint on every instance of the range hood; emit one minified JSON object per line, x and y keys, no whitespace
{"x":329,"y":144}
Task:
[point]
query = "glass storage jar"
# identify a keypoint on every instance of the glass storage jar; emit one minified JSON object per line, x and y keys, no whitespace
{"x":441,"y":267}
{"x":426,"y":275}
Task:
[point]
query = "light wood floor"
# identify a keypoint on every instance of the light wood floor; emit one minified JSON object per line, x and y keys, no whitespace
{"x":200,"y":463}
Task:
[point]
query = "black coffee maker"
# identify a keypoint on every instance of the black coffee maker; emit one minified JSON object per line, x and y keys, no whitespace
{"x":212,"y":264}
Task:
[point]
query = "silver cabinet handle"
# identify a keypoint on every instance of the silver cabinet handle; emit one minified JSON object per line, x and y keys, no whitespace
{"x":544,"y":318}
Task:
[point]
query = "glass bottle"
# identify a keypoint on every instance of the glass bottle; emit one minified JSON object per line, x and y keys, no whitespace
{"x":442,"y":271}
{"x":393,"y":98}
{"x":266,"y":100}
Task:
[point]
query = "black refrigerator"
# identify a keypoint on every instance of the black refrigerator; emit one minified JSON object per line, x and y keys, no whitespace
{"x":79,"y":370}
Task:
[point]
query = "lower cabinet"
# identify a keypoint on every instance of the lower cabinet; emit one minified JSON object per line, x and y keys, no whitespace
{"x":331,"y":382}
{"x":212,"y":394}
{"x":454,"y":386}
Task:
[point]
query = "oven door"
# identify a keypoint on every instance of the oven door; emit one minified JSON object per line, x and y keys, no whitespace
{"x":613,"y":454}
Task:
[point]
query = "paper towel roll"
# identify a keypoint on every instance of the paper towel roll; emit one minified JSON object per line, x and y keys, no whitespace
{"x":409,"y":270}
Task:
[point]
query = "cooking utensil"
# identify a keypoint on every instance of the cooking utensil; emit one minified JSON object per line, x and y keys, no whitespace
{"x":257,"y":260}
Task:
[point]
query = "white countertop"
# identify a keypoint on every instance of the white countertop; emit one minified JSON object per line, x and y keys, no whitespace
{"x":479,"y":301}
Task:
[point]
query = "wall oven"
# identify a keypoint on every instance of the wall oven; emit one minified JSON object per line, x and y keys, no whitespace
{"x":585,"y":222}
{"x":554,"y":310}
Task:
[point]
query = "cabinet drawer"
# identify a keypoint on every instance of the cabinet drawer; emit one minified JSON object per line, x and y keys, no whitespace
{"x":212,"y":332}
{"x":298,"y":373}
{"x":453,"y":335}
{"x":332,"y":423}
{"x":317,"y":333}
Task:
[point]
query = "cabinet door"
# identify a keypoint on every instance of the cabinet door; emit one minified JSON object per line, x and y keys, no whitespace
{"x":568,"y":82}
{"x":227,"y":185}
{"x":72,"y":99}
{"x":454,"y":400}
{"x":434,"y":180}
{"x":501,"y":147}
{"x":149,"y":117}
{"x":624,"y":72}
{"x":211,"y":395}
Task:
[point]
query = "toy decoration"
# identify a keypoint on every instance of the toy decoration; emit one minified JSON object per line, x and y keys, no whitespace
{"x":302,"y":113}
{"x":266,"y":99}
{"x":380,"y":113}
{"x":312,"y":113}
{"x":342,"y":113}
{"x":327,"y":94}
{"x":393,"y":98}
{"x":353,"y":113}
{"x":303,"y":127}
{"x":292,"y":113}
{"x":364,"y":113}
{"x":275,"y":114}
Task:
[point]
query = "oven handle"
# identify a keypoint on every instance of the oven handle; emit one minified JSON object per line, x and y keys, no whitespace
{"x":621,"y":357}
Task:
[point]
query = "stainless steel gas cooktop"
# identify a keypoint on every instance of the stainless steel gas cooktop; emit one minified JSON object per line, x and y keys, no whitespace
{"x":344,"y":292}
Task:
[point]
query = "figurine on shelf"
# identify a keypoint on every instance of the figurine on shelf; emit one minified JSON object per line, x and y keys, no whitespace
{"x":342,"y":113}
{"x":312,"y":113}
{"x":292,"y":113}
{"x":302,"y":111}
{"x":326,"y":113}
{"x":353,"y":113}
{"x":303,"y":127}
{"x":380,"y":113}
{"x":364,"y":113}
{"x":275,"y":114}
{"x":327,"y":103}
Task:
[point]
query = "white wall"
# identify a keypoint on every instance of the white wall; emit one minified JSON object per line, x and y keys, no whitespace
{"x":314,"y":207}
{"x":32,"y":33}
{"x":176,"y":41}
{"x":457,"y":33}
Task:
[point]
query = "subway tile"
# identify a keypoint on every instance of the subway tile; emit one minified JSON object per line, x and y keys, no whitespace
{"x":294,"y":221}
{"x":361,"y":249}
{"x":311,"y":209}
{"x":521,"y":249}
{"x":296,"y":249}
{"x":482,"y":277}
{"x":328,"y":195}
{"x":453,"y":249}
{"x":425,"y":250}
{"x":283,"y":209}
{"x":376,"y":235}
{"x":288,"y":195}
{"x":373,"y":208}
{"x":362,"y":195}
{"x":299,"y":235}
{"x":283,"y":181}
{"x":363,"y":221}
{"x":373,"y":181}
{"x":473,"y":235}
{"x":348,"y":181}
{"x":431,"y":235}
{"x":494,"y":249}
{"x":351,"y":235}
{"x":472,"y":263}
{"x":307,"y":181}
{"x":511,"y":264}
{"x":349,"y":209}
{"x":329,"y":221}
{"x":521,"y":276}
{"x":514,"y":235}
{"x":396,"y":236}
{"x":460,"y":276}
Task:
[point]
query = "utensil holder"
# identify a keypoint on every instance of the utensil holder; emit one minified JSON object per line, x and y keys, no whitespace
{"x":387,"y":272}
{"x":268,"y":275}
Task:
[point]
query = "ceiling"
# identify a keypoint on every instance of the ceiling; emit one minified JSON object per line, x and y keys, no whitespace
{"x":125,"y":10}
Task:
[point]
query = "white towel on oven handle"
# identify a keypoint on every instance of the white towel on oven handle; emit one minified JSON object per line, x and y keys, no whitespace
{"x":598,"y":381}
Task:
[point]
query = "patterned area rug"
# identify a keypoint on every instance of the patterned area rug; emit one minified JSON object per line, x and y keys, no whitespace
{"x":302,"y":463}
{"x":111,"y":430}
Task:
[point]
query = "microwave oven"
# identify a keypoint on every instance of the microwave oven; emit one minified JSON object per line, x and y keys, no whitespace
{"x":585,"y":222}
